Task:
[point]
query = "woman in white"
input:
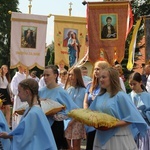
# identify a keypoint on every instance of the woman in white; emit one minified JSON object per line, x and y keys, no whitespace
{"x":18,"y":77}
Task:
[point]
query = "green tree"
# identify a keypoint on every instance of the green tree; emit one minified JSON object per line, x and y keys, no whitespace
{"x":51,"y":54}
{"x":140,"y":8}
{"x":5,"y":29}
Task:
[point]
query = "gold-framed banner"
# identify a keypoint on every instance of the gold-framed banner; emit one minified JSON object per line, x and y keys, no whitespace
{"x":63,"y":26}
{"x":28,"y":39}
{"x":108,"y":26}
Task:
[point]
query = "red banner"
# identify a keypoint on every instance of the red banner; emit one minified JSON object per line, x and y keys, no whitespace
{"x":108,"y":24}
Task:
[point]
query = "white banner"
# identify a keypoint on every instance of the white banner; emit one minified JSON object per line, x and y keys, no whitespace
{"x":28,"y":39}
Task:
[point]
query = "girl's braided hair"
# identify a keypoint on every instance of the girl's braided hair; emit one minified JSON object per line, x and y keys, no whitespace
{"x":32,"y":85}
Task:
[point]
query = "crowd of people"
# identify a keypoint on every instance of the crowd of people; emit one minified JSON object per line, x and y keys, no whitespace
{"x":102,"y":91}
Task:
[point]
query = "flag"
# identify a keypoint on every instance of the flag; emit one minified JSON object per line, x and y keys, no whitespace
{"x":63,"y":26}
{"x":133,"y":46}
{"x":129,"y":20}
{"x":28,"y":39}
{"x":147,"y":37}
{"x":108,"y":26}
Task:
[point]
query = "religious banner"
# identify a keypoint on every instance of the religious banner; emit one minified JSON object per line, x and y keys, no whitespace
{"x":64,"y":27}
{"x":132,"y":46}
{"x":28,"y":39}
{"x":147,"y":37}
{"x":108,"y":26}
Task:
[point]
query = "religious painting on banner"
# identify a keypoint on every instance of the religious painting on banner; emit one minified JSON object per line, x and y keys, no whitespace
{"x":64,"y":28}
{"x":147,"y":37}
{"x":28,"y":39}
{"x":108,"y":26}
{"x":108,"y":29}
{"x":67,"y":32}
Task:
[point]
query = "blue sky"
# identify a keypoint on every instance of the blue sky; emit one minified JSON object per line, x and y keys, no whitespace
{"x":56,"y":7}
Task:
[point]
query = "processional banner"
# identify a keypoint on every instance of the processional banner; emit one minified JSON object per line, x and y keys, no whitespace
{"x":147,"y":37}
{"x":132,"y":46}
{"x":63,"y":26}
{"x":28,"y":39}
{"x":108,"y":26}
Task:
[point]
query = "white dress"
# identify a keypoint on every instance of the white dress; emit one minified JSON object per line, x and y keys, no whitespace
{"x":122,"y":140}
{"x":18,"y":77}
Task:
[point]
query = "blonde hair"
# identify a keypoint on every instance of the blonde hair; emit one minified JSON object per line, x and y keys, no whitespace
{"x":63,"y":72}
{"x":115,"y":86}
{"x":95,"y":81}
{"x":118,"y":67}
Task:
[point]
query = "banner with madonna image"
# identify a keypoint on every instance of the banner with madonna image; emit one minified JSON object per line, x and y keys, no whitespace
{"x":64,"y":26}
{"x":108,"y":26}
{"x":28,"y":39}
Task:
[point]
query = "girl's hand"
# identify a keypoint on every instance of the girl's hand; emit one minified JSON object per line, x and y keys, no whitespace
{"x":5,"y":135}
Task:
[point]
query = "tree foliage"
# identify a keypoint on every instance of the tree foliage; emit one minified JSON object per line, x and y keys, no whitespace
{"x":50,"y":54}
{"x":140,"y":8}
{"x":5,"y":29}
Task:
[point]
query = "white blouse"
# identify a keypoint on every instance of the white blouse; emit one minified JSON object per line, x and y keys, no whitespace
{"x":3,"y":83}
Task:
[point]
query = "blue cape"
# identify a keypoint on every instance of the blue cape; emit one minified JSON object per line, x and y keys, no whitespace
{"x":121,"y":107}
{"x":33,"y":132}
{"x":77,"y":95}
{"x":144,"y":106}
{"x":60,"y":95}
{"x":4,"y":128}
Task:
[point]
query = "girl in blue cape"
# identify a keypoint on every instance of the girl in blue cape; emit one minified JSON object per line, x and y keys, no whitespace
{"x":55,"y":92}
{"x":141,"y":98}
{"x":92,"y":90}
{"x":113,"y":101}
{"x":33,"y":131}
{"x":5,"y":144}
{"x":75,"y":130}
